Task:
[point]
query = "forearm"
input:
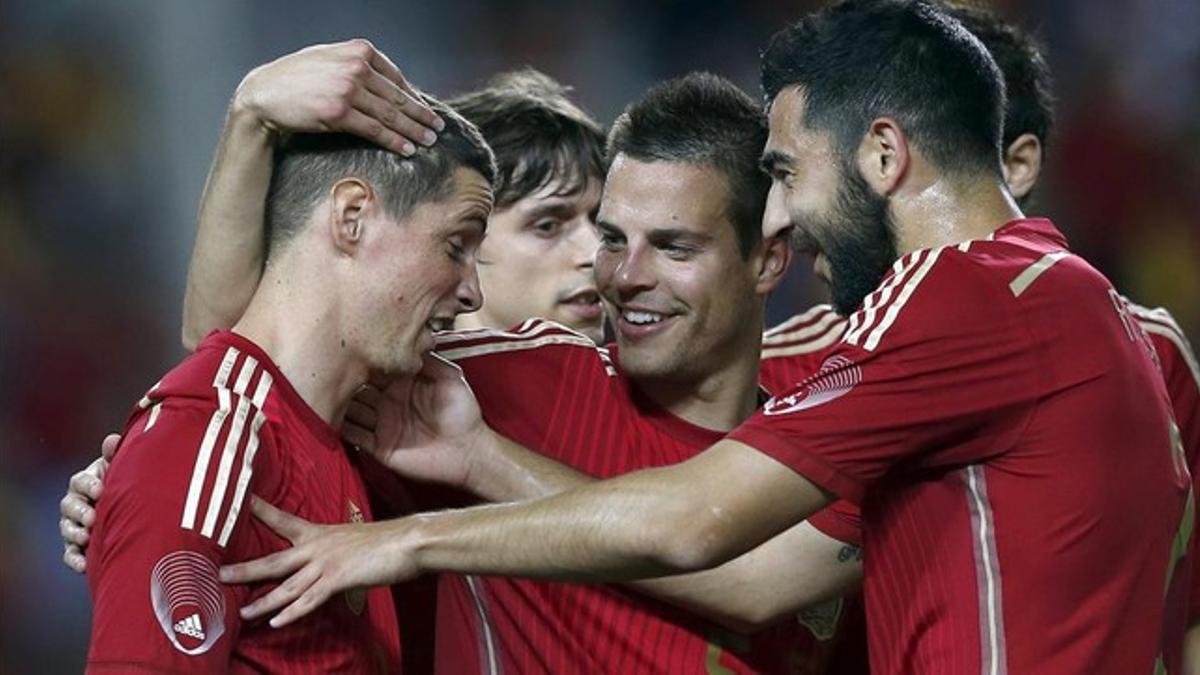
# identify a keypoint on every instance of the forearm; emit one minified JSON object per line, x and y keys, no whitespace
{"x":797,"y":569}
{"x":506,"y":471}
{"x":227,"y":257}
{"x":649,"y":523}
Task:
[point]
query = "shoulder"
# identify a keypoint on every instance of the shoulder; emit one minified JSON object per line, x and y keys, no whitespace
{"x":806,"y":333}
{"x":1170,"y":344}
{"x":534,"y":341}
{"x":927,"y":294}
{"x":532,"y":334}
{"x":191,"y":453}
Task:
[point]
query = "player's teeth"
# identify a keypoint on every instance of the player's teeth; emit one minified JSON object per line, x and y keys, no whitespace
{"x":642,"y":318}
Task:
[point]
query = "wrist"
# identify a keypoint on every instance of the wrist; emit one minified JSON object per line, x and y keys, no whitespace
{"x":413,"y":536}
{"x":482,"y":460}
{"x":246,"y":117}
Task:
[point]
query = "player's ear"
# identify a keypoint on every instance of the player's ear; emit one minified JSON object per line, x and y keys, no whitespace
{"x":1022,"y":164}
{"x":774,"y":255}
{"x":883,"y":155}
{"x":349,"y":200}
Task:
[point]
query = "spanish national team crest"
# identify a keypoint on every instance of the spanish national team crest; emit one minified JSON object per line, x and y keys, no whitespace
{"x":356,"y":598}
{"x":835,"y":379}
{"x":822,"y":620}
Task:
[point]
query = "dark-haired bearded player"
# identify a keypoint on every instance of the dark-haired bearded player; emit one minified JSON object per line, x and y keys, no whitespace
{"x":795,"y":348}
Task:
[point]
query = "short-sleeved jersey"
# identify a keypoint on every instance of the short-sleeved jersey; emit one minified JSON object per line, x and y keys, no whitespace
{"x":221,"y":426}
{"x":554,"y":391}
{"x":1000,"y":420}
{"x":1182,"y":376}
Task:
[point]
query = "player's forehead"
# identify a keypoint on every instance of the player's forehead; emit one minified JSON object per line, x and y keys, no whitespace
{"x":653,"y":195}
{"x":563,"y":195}
{"x":471,"y":197}
{"x":789,"y":136}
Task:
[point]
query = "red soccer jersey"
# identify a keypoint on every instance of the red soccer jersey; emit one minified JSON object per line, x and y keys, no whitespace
{"x":1000,"y":420}
{"x":223,"y":424}
{"x":796,"y":348}
{"x":1182,"y":377}
{"x":792,"y":351}
{"x":554,"y":391}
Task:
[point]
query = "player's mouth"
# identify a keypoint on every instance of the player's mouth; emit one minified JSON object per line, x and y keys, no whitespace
{"x":584,"y":304}
{"x":638,"y":323}
{"x":439,"y":324}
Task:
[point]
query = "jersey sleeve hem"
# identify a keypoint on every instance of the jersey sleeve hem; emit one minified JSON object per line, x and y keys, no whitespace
{"x":807,"y":464}
{"x":828,"y":522}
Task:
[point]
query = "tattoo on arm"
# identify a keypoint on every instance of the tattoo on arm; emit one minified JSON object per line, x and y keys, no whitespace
{"x":850,"y":552}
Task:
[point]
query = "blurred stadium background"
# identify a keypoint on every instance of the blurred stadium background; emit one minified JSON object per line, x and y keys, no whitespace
{"x":109,"y":113}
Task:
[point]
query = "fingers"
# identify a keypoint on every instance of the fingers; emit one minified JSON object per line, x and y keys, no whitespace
{"x":108,"y":447}
{"x":361,"y":414}
{"x":74,"y":559}
{"x":72,"y":533}
{"x":396,"y":109}
{"x":395,"y":115}
{"x":272,"y":566}
{"x":291,"y":589}
{"x":369,"y":395}
{"x":420,"y":112}
{"x":312,"y":598}
{"x":354,"y":121}
{"x":359,"y":437}
{"x":86,"y":484}
{"x":284,"y":524}
{"x":77,"y":509}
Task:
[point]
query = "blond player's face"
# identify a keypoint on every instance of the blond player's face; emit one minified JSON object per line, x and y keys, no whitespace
{"x":680,"y":295}
{"x":537,"y":260}
{"x":419,"y":273}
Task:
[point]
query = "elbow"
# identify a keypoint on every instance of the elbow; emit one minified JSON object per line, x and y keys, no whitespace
{"x":686,"y":542}
{"x":190,"y":335}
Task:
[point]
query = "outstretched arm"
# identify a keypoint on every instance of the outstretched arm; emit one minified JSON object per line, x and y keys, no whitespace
{"x":683,"y":518}
{"x":348,"y":87}
{"x":796,"y":569}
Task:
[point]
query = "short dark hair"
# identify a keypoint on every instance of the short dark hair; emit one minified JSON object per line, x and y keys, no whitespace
{"x":538,"y":134}
{"x":858,"y":60}
{"x":306,"y":165}
{"x":1029,"y":87}
{"x":705,"y":119}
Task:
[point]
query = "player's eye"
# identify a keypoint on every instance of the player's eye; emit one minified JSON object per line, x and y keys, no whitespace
{"x":456,"y":249}
{"x":547,"y":228}
{"x":677,"y":251}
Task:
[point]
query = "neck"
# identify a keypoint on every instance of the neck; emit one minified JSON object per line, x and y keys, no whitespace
{"x":720,"y":399}
{"x":944,"y":211}
{"x":299,"y":329}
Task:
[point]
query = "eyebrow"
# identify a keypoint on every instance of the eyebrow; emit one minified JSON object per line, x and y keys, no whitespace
{"x":475,"y":215}
{"x":561,"y":208}
{"x":660,"y":234}
{"x":773,"y":159}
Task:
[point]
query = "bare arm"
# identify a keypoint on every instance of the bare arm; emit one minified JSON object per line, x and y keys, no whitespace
{"x":796,"y":569}
{"x":683,"y":518}
{"x":228,"y":252}
{"x":348,"y":87}
{"x":793,"y":570}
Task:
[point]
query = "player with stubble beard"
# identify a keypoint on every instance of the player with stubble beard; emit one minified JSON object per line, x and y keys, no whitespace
{"x":796,"y":347}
